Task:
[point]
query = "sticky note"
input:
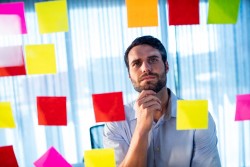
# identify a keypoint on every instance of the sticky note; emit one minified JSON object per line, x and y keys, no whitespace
{"x":192,"y":114}
{"x":12,"y":61}
{"x":10,"y":24}
{"x":6,"y":116}
{"x":52,"y":110}
{"x":52,"y":16}
{"x":242,"y":107}
{"x":223,"y":11}
{"x":183,"y":12}
{"x":108,"y":107}
{"x":12,"y":19}
{"x":7,"y":157}
{"x":51,"y":159}
{"x":99,"y":157}
{"x":142,"y":13}
{"x":40,"y":59}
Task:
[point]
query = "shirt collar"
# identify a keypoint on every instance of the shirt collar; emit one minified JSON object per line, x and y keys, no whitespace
{"x":171,"y":108}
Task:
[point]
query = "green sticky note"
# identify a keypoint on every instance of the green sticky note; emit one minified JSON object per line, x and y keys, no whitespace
{"x":192,"y":114}
{"x":223,"y":11}
{"x":40,"y":59}
{"x":52,"y":16}
{"x":99,"y":157}
{"x":6,"y":116}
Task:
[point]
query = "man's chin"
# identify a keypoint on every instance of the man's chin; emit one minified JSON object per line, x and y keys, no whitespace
{"x":147,"y":87}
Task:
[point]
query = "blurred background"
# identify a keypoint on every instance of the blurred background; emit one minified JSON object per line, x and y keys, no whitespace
{"x":207,"y":61}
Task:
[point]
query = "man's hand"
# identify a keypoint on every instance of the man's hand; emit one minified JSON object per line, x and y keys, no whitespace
{"x":145,"y":106}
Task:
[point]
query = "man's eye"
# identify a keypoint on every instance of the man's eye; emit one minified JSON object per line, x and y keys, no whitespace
{"x":136,"y":64}
{"x":153,"y":60}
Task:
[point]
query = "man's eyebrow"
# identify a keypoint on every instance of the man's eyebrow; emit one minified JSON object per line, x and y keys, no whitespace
{"x":135,"y":60}
{"x":149,"y":57}
{"x":153,"y":56}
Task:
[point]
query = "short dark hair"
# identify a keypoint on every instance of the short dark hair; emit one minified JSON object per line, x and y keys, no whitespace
{"x":147,"y":40}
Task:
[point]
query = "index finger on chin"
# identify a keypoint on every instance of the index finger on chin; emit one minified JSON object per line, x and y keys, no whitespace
{"x":145,"y":93}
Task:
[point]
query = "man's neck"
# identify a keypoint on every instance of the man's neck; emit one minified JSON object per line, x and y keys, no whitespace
{"x":163,"y":96}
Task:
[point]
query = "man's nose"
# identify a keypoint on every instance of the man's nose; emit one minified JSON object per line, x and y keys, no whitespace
{"x":146,"y":67}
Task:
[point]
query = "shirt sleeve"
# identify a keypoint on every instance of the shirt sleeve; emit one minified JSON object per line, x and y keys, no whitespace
{"x":114,"y":136}
{"x":205,"y":151}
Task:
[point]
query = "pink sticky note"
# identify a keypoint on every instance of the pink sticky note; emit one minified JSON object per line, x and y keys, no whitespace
{"x":12,"y":61}
{"x":10,"y":24}
{"x":242,"y":107}
{"x":15,"y":12}
{"x":51,"y":159}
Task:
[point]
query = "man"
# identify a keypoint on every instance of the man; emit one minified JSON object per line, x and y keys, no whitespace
{"x":148,"y":136}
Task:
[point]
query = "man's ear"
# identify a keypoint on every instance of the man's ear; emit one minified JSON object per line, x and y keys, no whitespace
{"x":129,"y":73}
{"x":167,"y":66}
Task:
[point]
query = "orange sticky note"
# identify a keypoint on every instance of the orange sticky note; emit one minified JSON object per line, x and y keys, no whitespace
{"x":192,"y":114}
{"x":52,"y":16}
{"x":40,"y":59}
{"x":99,"y":157}
{"x":6,"y":116}
{"x":142,"y":13}
{"x":108,"y":107}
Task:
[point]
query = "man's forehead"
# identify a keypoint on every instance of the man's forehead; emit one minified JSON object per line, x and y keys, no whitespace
{"x":143,"y":51}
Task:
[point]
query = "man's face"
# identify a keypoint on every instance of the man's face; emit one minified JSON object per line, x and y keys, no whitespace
{"x":146,"y":68}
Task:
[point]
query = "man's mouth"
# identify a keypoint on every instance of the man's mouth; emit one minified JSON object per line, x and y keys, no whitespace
{"x":148,"y":77}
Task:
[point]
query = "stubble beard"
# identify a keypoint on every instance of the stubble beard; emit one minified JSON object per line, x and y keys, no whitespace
{"x":149,"y":85}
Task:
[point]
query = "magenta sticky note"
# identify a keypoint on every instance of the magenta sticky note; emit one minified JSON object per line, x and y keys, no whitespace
{"x":242,"y":107}
{"x":51,"y":159}
{"x":12,"y":14}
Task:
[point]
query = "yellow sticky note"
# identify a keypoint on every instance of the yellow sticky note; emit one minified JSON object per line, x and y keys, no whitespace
{"x":142,"y":13}
{"x":192,"y":114}
{"x":99,"y":158}
{"x":40,"y":59}
{"x":52,"y":16}
{"x":6,"y":116}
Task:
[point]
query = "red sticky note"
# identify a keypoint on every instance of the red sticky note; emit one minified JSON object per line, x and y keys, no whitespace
{"x":7,"y":157}
{"x":242,"y":107}
{"x":12,"y":61}
{"x":52,"y":110}
{"x":51,"y":159}
{"x":183,"y":12}
{"x":108,"y":107}
{"x":14,"y":11}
